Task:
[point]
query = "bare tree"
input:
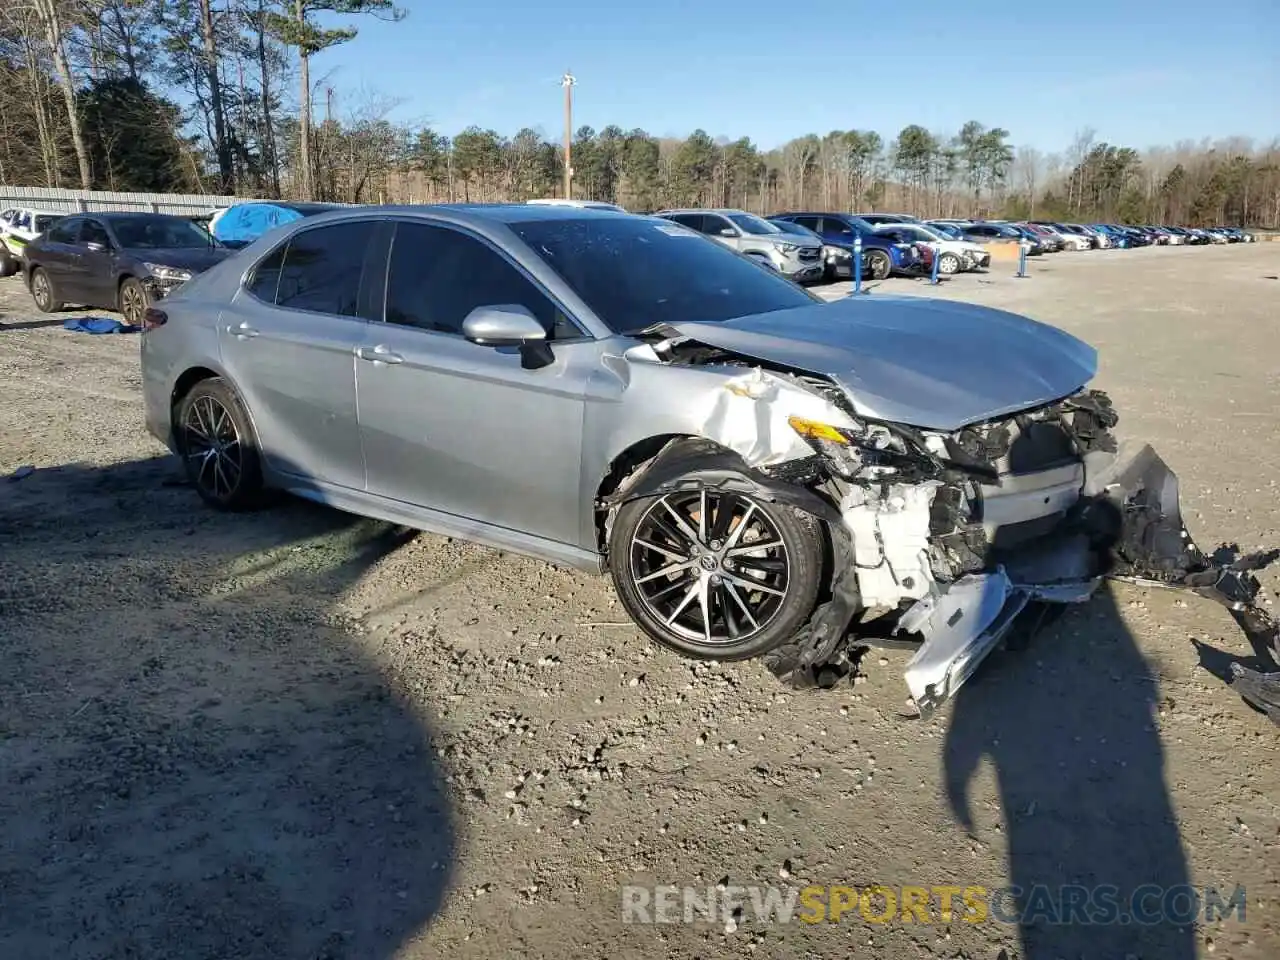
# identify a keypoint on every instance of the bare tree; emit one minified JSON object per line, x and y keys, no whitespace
{"x":54,"y":23}
{"x":1028,"y":163}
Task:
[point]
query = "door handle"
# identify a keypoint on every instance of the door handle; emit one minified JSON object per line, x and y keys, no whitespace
{"x":242,"y":330}
{"x":378,"y":354}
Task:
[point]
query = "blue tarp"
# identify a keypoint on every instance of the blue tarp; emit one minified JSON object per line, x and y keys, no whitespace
{"x":246,"y":222}
{"x":98,"y":325}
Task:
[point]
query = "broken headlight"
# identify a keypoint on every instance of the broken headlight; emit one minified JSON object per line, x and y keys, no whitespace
{"x":868,"y":449}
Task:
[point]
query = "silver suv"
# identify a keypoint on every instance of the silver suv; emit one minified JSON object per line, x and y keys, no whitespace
{"x":792,"y":256}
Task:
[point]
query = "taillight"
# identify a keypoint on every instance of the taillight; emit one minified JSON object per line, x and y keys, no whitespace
{"x":154,"y":317}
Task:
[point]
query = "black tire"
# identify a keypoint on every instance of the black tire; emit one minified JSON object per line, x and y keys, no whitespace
{"x":753,"y":622}
{"x":215,"y":438}
{"x":43,"y":292}
{"x":948,"y":264}
{"x":132,"y":301}
{"x":8,"y":265}
{"x":879,"y":264}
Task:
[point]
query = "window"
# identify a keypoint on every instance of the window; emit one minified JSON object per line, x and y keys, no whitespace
{"x":22,"y":219}
{"x":813,"y":223}
{"x":439,"y":275}
{"x":65,"y":231}
{"x":837,"y":228}
{"x":753,"y":224}
{"x":156,"y":231}
{"x":94,"y":232}
{"x":266,"y":276}
{"x":7,"y":216}
{"x":713,"y":224}
{"x":634,"y":272}
{"x":322,"y":268}
{"x":691,"y":220}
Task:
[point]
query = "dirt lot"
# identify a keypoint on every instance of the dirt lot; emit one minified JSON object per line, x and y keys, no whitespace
{"x":299,"y":734}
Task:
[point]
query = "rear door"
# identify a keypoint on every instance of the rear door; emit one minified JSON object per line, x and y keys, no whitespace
{"x":288,"y":341}
{"x":59,"y":257}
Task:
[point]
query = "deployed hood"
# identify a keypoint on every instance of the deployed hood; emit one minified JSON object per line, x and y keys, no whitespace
{"x":928,"y":363}
{"x":194,"y":259}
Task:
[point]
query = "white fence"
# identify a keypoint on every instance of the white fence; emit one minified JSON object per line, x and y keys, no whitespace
{"x":83,"y":201}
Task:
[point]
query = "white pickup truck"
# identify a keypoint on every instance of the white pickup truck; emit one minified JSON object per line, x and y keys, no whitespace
{"x":18,"y":227}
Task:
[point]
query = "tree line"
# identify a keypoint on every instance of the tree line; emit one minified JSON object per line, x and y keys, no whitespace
{"x":218,"y":96}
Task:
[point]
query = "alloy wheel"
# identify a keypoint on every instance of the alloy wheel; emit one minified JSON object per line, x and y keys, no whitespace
{"x":40,"y":290}
{"x":711,"y":566}
{"x":132,"y":304}
{"x":212,"y":447}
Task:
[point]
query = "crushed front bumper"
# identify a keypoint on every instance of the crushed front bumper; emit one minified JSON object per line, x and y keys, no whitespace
{"x":1126,"y":524}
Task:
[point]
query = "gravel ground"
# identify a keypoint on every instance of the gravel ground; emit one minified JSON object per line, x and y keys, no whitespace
{"x":301,"y":734}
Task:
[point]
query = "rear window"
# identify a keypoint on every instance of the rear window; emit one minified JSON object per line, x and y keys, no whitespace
{"x":634,"y":273}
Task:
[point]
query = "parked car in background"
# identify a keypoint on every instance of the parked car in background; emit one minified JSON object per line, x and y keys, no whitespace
{"x":580,"y":204}
{"x":838,"y":260}
{"x":116,"y":261}
{"x":883,"y":256}
{"x":239,"y":225}
{"x":1051,"y":242}
{"x":18,"y":227}
{"x":1116,"y":236}
{"x":953,"y":255}
{"x":985,"y":231}
{"x":1070,"y":240}
{"x":795,"y":257}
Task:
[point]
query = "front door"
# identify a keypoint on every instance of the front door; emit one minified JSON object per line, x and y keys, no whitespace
{"x":289,"y":341}
{"x":464,"y":428}
{"x":96,"y":274}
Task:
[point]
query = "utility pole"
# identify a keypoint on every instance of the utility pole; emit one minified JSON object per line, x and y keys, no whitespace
{"x":567,"y":81}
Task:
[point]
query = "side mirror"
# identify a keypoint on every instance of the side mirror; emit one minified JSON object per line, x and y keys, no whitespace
{"x":94,"y":247}
{"x":503,"y":325}
{"x":728,"y":232}
{"x":510,"y":325}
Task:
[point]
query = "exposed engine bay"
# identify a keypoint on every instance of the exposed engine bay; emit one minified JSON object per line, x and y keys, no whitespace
{"x":946,"y":541}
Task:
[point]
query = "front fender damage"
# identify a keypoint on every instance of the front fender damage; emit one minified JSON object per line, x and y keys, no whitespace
{"x":953,"y":597}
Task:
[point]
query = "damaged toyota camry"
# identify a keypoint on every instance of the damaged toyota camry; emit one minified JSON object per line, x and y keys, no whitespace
{"x":762,"y":473}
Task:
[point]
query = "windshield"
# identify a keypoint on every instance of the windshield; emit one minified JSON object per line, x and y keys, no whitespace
{"x":635,"y":272}
{"x":159,"y":233}
{"x":753,"y":224}
{"x":786,"y":226}
{"x":947,"y":230}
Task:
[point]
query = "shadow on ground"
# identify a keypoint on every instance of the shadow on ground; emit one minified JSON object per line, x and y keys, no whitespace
{"x":1083,"y":795}
{"x":198,"y":760}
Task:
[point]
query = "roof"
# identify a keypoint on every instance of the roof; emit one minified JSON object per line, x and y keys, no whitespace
{"x":504,"y":213}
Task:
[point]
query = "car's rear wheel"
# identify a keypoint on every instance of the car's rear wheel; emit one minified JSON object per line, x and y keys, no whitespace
{"x":215,"y":439}
{"x":42,"y":292}
{"x":133,"y":301}
{"x":879,"y":264}
{"x":714,"y":574}
{"x":948,"y":264}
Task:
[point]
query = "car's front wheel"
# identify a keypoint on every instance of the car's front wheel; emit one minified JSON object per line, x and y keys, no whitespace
{"x":215,"y":439}
{"x":948,"y":264}
{"x":879,"y":264}
{"x":714,"y":574}
{"x":133,"y":301}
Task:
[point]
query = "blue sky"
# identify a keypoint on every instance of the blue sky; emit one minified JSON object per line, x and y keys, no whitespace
{"x":1139,"y":72}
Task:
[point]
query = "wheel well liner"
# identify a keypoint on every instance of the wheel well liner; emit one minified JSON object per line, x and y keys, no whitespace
{"x":188,"y":380}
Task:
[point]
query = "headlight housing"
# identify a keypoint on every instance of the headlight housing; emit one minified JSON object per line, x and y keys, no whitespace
{"x":165,"y":274}
{"x":787,"y":248}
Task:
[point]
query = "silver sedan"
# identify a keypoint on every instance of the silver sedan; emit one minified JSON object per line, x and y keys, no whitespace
{"x":762,"y":473}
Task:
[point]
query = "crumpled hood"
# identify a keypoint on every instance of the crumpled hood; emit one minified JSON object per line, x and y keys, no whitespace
{"x":928,"y":363}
